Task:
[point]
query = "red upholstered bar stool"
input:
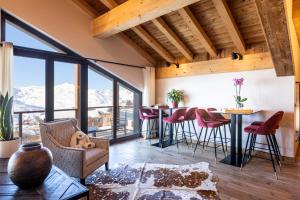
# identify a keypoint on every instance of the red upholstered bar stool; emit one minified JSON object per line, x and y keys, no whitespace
{"x":146,"y":114}
{"x":219,"y":117}
{"x":190,"y":116}
{"x":205,"y":121}
{"x":176,"y":119}
{"x":267,"y":129}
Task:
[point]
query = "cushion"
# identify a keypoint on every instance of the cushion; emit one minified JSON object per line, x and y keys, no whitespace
{"x":92,"y":155}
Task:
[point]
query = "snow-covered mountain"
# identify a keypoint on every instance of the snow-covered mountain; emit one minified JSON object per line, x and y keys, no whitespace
{"x":33,"y":98}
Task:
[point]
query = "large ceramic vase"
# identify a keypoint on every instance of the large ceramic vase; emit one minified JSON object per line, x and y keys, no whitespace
{"x":30,"y":165}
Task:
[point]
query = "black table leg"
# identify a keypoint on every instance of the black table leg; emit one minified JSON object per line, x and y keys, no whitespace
{"x":233,"y":140}
{"x":160,"y":127}
{"x":171,"y":127}
{"x":239,"y":140}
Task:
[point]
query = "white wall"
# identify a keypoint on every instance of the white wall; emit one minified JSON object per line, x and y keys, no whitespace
{"x":68,"y":24}
{"x":263,"y":89}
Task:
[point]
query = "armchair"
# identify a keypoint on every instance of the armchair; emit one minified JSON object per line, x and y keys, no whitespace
{"x":76,"y":162}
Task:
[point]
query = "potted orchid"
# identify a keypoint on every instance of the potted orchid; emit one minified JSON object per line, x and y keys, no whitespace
{"x":238,"y":82}
{"x":175,"y":96}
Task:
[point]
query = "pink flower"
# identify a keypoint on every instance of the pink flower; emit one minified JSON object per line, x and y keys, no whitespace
{"x":238,"y":81}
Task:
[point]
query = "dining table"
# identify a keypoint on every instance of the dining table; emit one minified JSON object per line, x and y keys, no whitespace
{"x":162,"y":141}
{"x":236,"y":116}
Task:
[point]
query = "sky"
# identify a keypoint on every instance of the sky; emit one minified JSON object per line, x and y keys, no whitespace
{"x":31,"y":71}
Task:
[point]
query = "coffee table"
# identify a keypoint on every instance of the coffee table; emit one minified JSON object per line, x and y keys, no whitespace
{"x":58,"y":185}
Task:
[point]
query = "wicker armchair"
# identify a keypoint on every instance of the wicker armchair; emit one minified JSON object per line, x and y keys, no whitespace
{"x":74,"y":161}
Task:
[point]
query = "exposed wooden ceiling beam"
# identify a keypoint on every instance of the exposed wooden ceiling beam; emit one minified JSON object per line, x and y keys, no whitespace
{"x":296,"y":17}
{"x":230,"y":24}
{"x":197,"y":30}
{"x":277,"y":34}
{"x":133,"y":13}
{"x":151,"y":41}
{"x":140,"y":31}
{"x":173,"y":38}
{"x":93,"y":13}
{"x":250,"y":62}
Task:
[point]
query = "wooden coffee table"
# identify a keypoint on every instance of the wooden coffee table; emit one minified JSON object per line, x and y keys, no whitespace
{"x":58,"y":185}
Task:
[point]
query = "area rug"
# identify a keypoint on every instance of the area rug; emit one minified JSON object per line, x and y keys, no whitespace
{"x":145,"y":181}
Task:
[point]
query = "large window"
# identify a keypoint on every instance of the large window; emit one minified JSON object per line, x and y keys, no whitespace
{"x":29,"y":97}
{"x":51,"y":82}
{"x":100,"y":105}
{"x":65,"y":90}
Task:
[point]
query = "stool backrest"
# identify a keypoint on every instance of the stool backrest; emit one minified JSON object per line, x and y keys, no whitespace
{"x":190,"y":114}
{"x":143,"y":112}
{"x":272,"y":123}
{"x":202,"y":117}
{"x":179,"y":113}
{"x":214,"y":116}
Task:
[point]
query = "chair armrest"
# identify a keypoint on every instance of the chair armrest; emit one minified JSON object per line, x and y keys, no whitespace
{"x":257,"y":123}
{"x":100,"y":143}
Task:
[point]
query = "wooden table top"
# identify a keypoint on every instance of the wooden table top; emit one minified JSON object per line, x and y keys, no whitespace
{"x":236,"y":111}
{"x":57,"y":185}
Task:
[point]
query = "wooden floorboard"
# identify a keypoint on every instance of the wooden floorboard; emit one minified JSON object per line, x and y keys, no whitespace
{"x":255,"y":181}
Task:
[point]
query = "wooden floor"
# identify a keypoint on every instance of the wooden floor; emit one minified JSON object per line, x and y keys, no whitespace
{"x":255,"y":181}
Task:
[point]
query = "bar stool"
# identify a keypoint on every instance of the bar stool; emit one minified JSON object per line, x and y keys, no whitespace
{"x":220,"y":118}
{"x":147,"y":114}
{"x":268,"y":129}
{"x":205,"y":121}
{"x":176,"y":119}
{"x":190,"y":116}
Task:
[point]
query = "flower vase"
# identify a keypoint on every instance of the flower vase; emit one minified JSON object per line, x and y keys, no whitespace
{"x":175,"y":104}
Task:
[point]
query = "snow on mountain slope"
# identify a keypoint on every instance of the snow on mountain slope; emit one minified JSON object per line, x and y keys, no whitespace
{"x":33,"y":97}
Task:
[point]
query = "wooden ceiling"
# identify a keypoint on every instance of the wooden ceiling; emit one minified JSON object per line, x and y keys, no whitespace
{"x":200,"y":31}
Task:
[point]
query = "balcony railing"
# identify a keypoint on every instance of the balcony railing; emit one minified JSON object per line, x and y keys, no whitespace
{"x":100,"y":125}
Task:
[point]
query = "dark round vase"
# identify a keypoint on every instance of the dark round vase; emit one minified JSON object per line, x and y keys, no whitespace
{"x":30,"y":165}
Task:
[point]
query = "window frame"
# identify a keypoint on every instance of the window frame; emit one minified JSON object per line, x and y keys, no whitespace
{"x":69,"y":56}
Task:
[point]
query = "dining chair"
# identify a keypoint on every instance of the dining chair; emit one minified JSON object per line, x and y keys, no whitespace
{"x":146,"y":114}
{"x":205,"y":121}
{"x":267,"y":129}
{"x":190,"y":117}
{"x":176,"y":120}
{"x":219,"y":117}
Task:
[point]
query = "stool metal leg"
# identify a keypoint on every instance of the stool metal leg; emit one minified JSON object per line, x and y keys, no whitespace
{"x":275,"y":151}
{"x":176,"y":136}
{"x":221,"y":139}
{"x":270,"y":152}
{"x":183,"y":134}
{"x":225,"y":138}
{"x":198,"y":140}
{"x":215,"y":144}
{"x":245,"y":151}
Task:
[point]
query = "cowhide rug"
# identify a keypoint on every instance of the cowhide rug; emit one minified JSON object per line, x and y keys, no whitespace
{"x":145,"y":181}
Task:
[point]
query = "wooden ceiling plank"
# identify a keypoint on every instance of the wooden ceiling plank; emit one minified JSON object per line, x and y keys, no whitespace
{"x":230,"y":24}
{"x":250,"y":62}
{"x":110,"y":4}
{"x":151,"y":41}
{"x":198,"y":31}
{"x":276,"y":34}
{"x":142,"y":33}
{"x":93,"y":13}
{"x":173,"y":38}
{"x":87,"y":8}
{"x":133,"y":13}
